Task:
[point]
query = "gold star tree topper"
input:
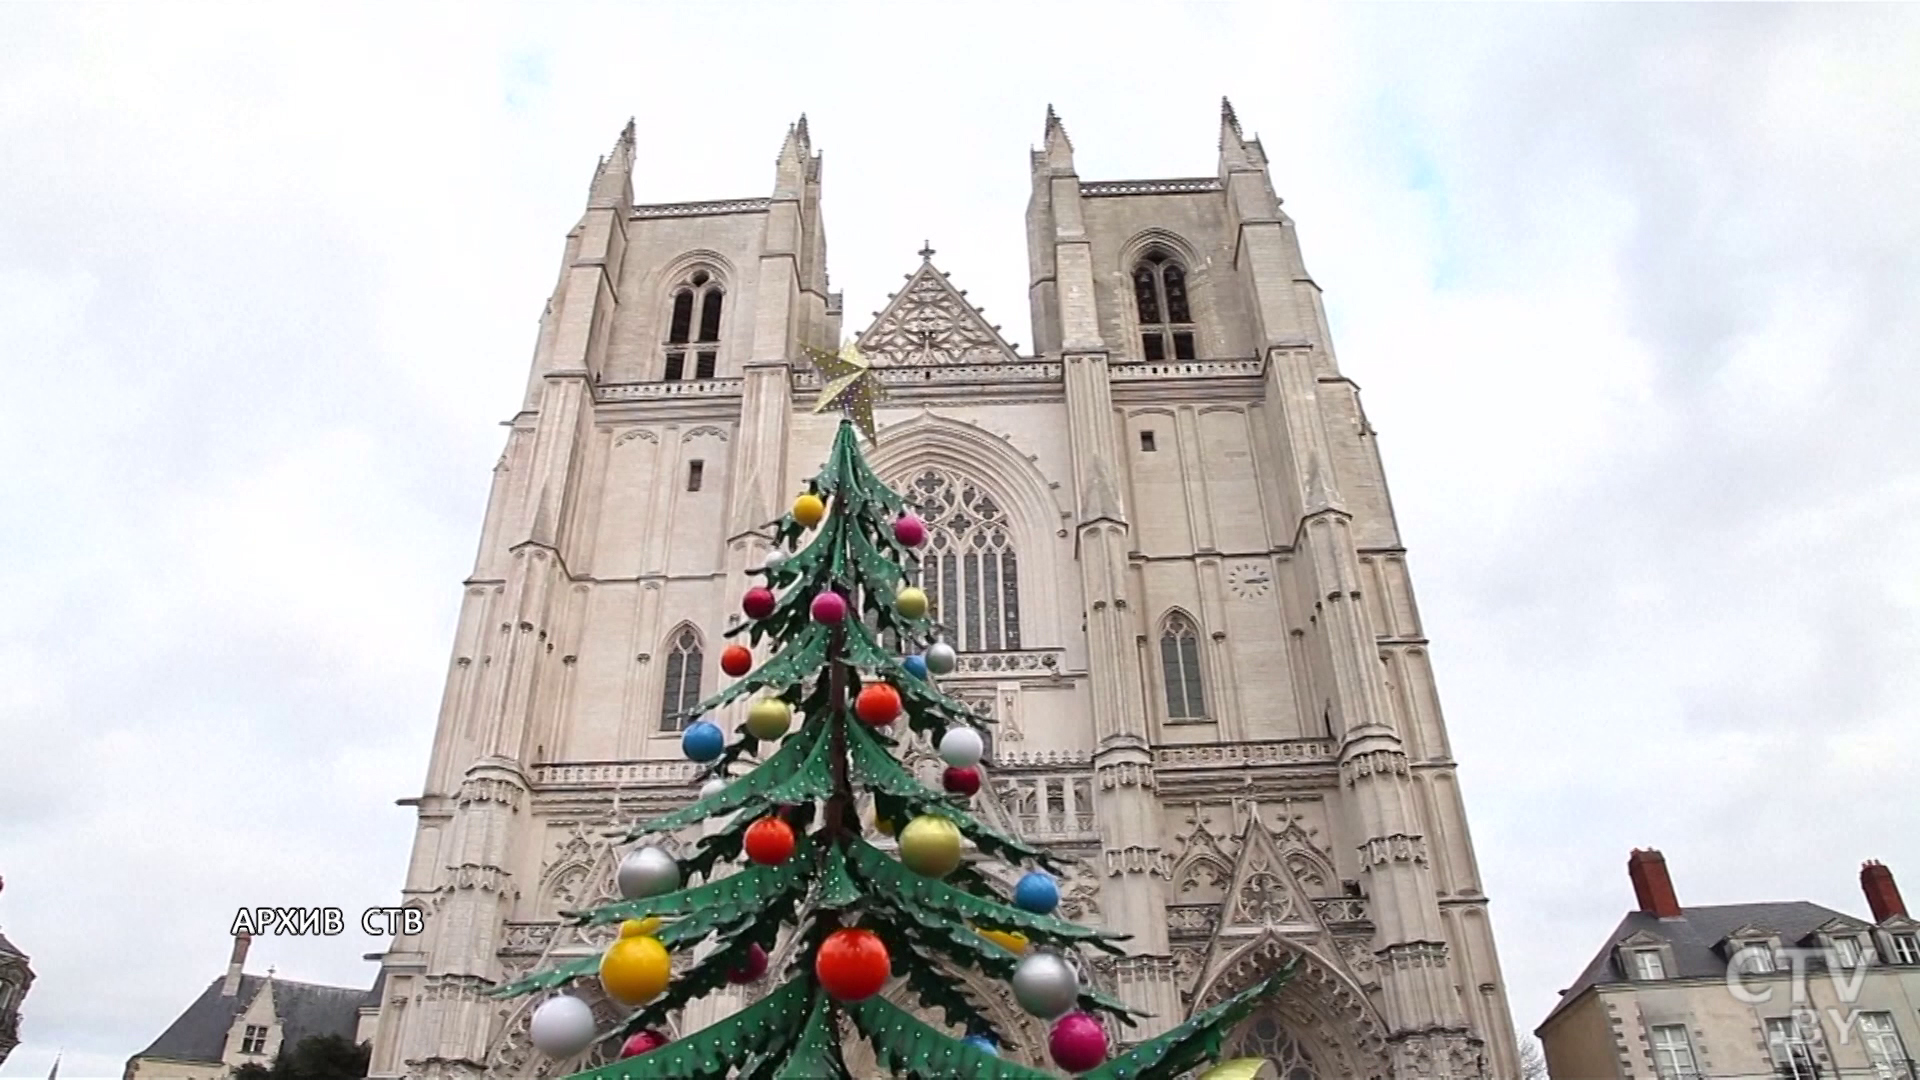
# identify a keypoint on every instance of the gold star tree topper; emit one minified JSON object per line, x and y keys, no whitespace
{"x":848,"y":382}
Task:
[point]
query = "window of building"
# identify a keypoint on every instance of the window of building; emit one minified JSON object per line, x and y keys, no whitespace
{"x":696,"y":471}
{"x":1673,"y":1052}
{"x":682,"y":690}
{"x":1885,"y":1052}
{"x":1146,"y":441}
{"x":1846,"y":951}
{"x":1792,"y":1057}
{"x":701,"y":293}
{"x":1755,"y":958}
{"x":970,"y":571}
{"x":1648,"y":965}
{"x":1906,"y":948}
{"x":1160,"y":300}
{"x":1180,"y":669}
{"x":254,"y":1040}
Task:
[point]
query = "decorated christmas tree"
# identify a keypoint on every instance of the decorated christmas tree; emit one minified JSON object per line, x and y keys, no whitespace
{"x":847,"y":674}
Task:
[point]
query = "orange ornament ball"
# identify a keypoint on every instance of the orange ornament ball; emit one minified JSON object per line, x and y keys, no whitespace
{"x":736,"y":660}
{"x":770,"y":841}
{"x":878,"y":705}
{"x":852,"y":964}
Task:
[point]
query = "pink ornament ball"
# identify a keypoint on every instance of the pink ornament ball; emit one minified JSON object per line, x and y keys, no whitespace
{"x":754,"y":967}
{"x":1078,"y":1043}
{"x":910,"y":530}
{"x":640,"y":1042}
{"x":829,"y":607}
{"x":758,"y":603}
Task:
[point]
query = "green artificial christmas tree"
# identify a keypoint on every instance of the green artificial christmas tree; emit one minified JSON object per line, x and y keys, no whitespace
{"x":839,"y":606}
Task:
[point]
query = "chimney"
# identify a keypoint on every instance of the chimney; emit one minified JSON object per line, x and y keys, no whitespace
{"x":236,"y":963}
{"x":1651,"y":885}
{"x":1883,"y":896}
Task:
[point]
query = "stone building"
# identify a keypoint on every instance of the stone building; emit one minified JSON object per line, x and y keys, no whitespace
{"x":1163,"y":543}
{"x":242,"y":1019}
{"x":1791,"y":990}
{"x":16,"y":978}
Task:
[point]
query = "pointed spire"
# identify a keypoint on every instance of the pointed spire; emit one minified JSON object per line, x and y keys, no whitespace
{"x":801,"y":129}
{"x":1059,"y":148}
{"x":613,"y":178}
{"x":1234,"y":147}
{"x":796,"y":153}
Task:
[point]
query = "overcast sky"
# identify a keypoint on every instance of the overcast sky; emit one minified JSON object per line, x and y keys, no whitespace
{"x":1633,"y":292}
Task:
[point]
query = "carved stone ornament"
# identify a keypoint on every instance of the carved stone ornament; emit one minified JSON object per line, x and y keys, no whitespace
{"x":930,"y":322}
{"x":1137,"y":859}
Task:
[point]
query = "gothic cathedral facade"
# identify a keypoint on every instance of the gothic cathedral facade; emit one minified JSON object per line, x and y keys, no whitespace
{"x":1162,"y":544}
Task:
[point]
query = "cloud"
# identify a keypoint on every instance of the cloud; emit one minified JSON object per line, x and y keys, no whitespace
{"x":1632,"y":292}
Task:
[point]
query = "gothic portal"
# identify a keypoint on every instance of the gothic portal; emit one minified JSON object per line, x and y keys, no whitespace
{"x":1162,"y":542}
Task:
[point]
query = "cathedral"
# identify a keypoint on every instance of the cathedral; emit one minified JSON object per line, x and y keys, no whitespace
{"x":1161,"y":542}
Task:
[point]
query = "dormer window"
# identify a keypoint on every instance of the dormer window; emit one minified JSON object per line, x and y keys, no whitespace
{"x":1754,"y":958}
{"x":701,"y":297}
{"x":254,"y":1040}
{"x":1906,"y":948}
{"x":1847,"y":952}
{"x":1648,"y":966}
{"x":1160,"y":301}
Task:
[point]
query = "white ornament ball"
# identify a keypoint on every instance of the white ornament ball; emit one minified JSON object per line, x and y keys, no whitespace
{"x":941,"y":659}
{"x":563,"y":1026}
{"x":713,"y":787}
{"x":961,"y":747}
{"x":1045,"y":985}
{"x":776,"y":557}
{"x":647,"y":871}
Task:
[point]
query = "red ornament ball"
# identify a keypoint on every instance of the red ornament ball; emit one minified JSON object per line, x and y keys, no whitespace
{"x":878,"y":704}
{"x":759,"y":602}
{"x":852,"y":964}
{"x":1078,"y":1043}
{"x":736,"y":660}
{"x":754,"y":967}
{"x":770,"y":841}
{"x":961,"y":780}
{"x":829,"y":607}
{"x":910,"y":530}
{"x":640,"y":1042}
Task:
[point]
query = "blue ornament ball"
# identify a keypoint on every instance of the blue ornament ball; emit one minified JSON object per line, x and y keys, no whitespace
{"x":703,"y":741}
{"x":983,"y":1044}
{"x":916,"y":666}
{"x":1036,"y":892}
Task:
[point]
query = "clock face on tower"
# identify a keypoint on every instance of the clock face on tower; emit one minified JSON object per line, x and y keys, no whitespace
{"x":1249,"y":580}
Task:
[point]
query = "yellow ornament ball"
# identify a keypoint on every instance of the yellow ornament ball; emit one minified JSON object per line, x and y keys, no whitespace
{"x":634,"y":969}
{"x":769,"y":718}
{"x":930,"y":846}
{"x":809,"y":509}
{"x":647,"y":927}
{"x":911,"y":602}
{"x":1010,"y":940}
{"x":882,"y":824}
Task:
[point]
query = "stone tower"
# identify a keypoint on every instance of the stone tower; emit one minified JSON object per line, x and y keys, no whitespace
{"x":1162,"y":543}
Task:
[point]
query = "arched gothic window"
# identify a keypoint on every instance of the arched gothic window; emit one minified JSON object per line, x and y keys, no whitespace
{"x":1180,"y":669}
{"x":1266,"y":1037}
{"x":703,"y":294}
{"x":969,"y":569}
{"x":682,"y":691}
{"x":1160,"y":298}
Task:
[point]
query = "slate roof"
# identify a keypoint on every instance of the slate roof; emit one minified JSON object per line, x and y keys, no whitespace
{"x":200,"y":1033}
{"x":1693,"y":936}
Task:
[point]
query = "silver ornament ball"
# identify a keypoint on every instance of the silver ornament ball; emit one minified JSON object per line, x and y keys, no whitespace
{"x":647,"y":871}
{"x":563,"y":1026}
{"x":941,"y":659}
{"x":961,"y":747}
{"x":713,"y":787}
{"x":775,"y":558}
{"x":1045,"y":985}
